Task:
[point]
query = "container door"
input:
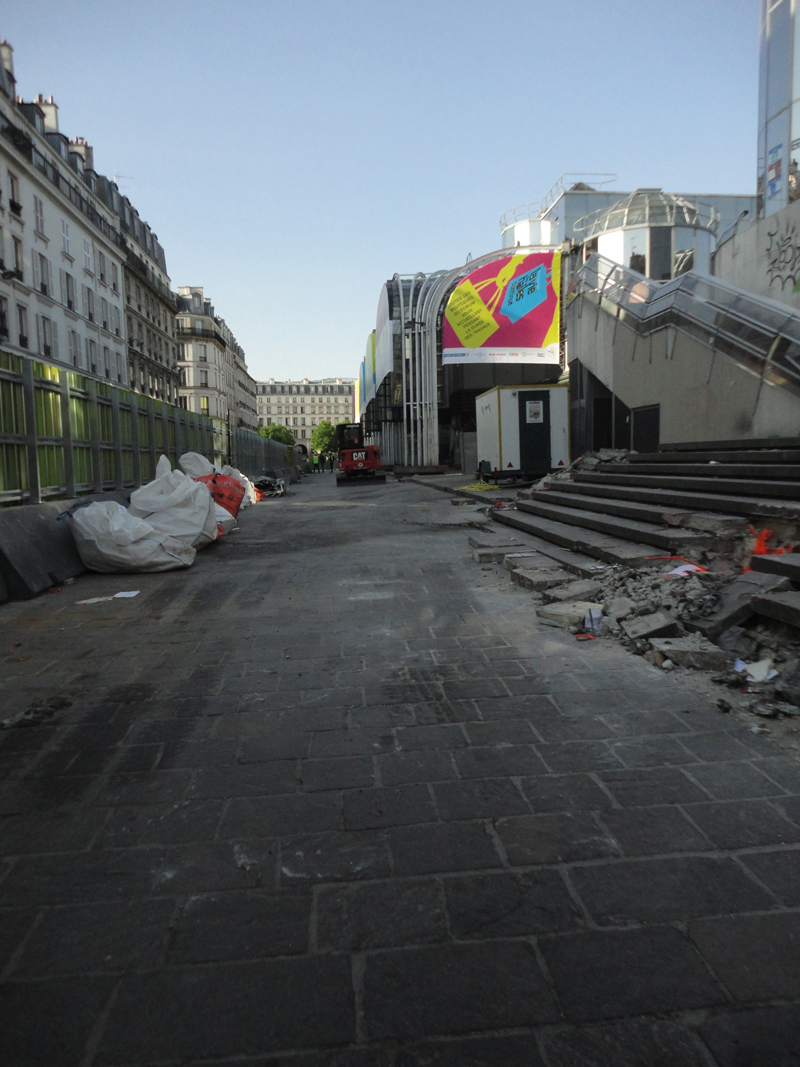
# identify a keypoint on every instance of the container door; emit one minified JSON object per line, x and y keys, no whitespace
{"x":534,"y":431}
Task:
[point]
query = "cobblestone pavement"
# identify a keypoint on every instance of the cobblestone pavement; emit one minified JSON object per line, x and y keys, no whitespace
{"x":326,"y":801}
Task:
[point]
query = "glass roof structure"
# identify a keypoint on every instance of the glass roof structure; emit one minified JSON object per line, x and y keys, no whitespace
{"x":648,"y":207}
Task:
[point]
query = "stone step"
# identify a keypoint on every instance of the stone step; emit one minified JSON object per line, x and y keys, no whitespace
{"x":657,"y":514}
{"x":575,"y":562}
{"x":734,"y":606}
{"x":666,"y":538}
{"x":788,"y":566}
{"x":785,"y":607}
{"x":579,"y":540}
{"x":747,"y":487}
{"x":627,"y":488}
{"x":783,"y":455}
{"x":772,"y":471}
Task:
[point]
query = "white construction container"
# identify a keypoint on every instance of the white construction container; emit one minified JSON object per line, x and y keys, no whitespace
{"x":523,"y":429}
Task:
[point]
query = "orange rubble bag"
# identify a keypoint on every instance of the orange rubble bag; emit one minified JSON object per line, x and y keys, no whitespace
{"x":227,"y":492}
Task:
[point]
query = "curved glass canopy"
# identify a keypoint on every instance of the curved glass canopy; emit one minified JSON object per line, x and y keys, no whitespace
{"x":649,"y":207}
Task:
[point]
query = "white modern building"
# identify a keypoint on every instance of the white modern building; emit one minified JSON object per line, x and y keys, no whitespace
{"x":302,"y":404}
{"x":214,"y":376}
{"x":61,"y":248}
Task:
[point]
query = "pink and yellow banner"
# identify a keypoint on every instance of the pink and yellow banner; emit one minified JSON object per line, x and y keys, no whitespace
{"x":507,"y":311}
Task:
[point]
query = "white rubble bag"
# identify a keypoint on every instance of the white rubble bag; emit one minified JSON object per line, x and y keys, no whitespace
{"x":249,"y":489}
{"x":195,"y":465}
{"x":111,"y":540}
{"x":174,"y":504}
{"x":225,"y":521}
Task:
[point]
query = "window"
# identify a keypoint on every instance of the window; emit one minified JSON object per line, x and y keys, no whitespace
{"x":74,"y":347}
{"x":107,"y":362}
{"x":3,"y":317}
{"x":19,"y":259}
{"x":13,"y":188}
{"x":114,"y":278}
{"x":88,"y":303}
{"x":67,"y":290}
{"x":104,"y":313}
{"x":117,"y":321}
{"x":203,"y":349}
{"x":203,"y":405}
{"x":47,"y":337}
{"x":101,"y":267}
{"x":204,"y":378}
{"x":44,"y":275}
{"x":22,"y":323}
{"x":38,"y":216}
{"x":65,"y":236}
{"x":91,"y":355}
{"x":88,"y":259}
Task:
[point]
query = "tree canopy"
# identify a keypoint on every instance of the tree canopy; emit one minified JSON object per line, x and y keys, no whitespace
{"x":277,"y":433}
{"x":323,"y":437}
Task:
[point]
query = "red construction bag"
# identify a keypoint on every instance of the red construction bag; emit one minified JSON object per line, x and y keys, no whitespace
{"x":228,"y":492}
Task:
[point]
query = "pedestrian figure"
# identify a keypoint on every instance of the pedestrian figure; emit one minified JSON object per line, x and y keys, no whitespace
{"x":330,"y":459}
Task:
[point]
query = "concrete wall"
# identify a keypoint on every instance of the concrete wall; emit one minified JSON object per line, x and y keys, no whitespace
{"x":764,"y":258}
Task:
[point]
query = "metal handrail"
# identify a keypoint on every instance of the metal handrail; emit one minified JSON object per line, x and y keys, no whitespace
{"x":523,"y":212}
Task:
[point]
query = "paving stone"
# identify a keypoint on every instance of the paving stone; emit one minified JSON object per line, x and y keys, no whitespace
{"x":744,"y":824}
{"x":756,"y":956}
{"x":482,"y":798}
{"x":251,"y":780}
{"x":602,"y":975}
{"x":632,"y":1043}
{"x":475,"y":689}
{"x":157,"y":787}
{"x":304,"y":813}
{"x":379,"y":915}
{"x":551,"y":726}
{"x":647,"y":787}
{"x":362,"y":742}
{"x":246,"y":1008}
{"x":274,"y":746}
{"x":454,"y":988}
{"x":642,"y":722}
{"x":554,"y":838}
{"x":653,"y":831}
{"x":442,"y":847}
{"x":66,"y":831}
{"x":422,"y":766}
{"x":208,"y":867}
{"x":715,"y":747}
{"x":661,"y":890}
{"x":343,"y":772}
{"x":15,"y":923}
{"x":779,"y":872}
{"x":484,"y":906}
{"x":32,"y":1036}
{"x":441,"y":711}
{"x":543,"y":683}
{"x":334,"y":857}
{"x":565,"y":792}
{"x":446,"y":737}
{"x":370,"y":809}
{"x":734,"y":781}
{"x":376,"y":717}
{"x":96,"y":937}
{"x":652,"y":752}
{"x":79,"y":877}
{"x":488,"y":1051}
{"x":499,"y":761}
{"x":763,"y":1037}
{"x":233,"y":926}
{"x":784,"y":771}
{"x":579,"y":756}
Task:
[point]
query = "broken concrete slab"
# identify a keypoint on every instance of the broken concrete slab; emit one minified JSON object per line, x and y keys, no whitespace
{"x":786,"y":564}
{"x":572,"y":613}
{"x":693,"y":651}
{"x":621,"y":607}
{"x":774,"y":709}
{"x":512,"y":560}
{"x":734,"y":605}
{"x":493,"y":539}
{"x":659,"y":624}
{"x":491,"y":555}
{"x":785,"y":607}
{"x":583,"y":589}
{"x":537,"y":579}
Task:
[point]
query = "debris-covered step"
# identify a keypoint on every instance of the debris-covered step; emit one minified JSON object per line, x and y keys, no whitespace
{"x":784,"y":607}
{"x":769,"y":455}
{"x":588,"y":542}
{"x":787,"y":565}
{"x":670,"y":539}
{"x":702,"y":487}
{"x":735,"y":606}
{"x":658,"y":513}
{"x":500,"y":544}
{"x":720,"y":481}
{"x":745,"y":471}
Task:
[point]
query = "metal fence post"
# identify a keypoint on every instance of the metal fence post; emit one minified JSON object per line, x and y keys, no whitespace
{"x":31,"y":440}
{"x":137,"y":456}
{"x":178,"y":428}
{"x":94,"y":436}
{"x":151,"y":433}
{"x":116,"y":435}
{"x":165,"y":430}
{"x":66,"y":435}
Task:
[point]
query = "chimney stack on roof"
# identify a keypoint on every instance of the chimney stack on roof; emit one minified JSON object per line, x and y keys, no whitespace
{"x":50,"y":110}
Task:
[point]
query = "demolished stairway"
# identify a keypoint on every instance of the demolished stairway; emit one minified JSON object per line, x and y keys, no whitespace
{"x":671,"y":503}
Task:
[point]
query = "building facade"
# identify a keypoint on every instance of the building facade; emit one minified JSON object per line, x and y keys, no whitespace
{"x":61,"y":248}
{"x":303,"y":404}
{"x":214,"y":379}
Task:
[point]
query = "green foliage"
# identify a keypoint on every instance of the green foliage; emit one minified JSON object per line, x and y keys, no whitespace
{"x":323,"y":438}
{"x":277,"y":433}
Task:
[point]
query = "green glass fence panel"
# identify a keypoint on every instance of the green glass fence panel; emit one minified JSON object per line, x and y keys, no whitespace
{"x":82,"y":464}
{"x":76,"y":381}
{"x":9,"y":362}
{"x":127,"y":466}
{"x":51,"y":466}
{"x":12,"y":409}
{"x":125,"y":426}
{"x":107,"y":465}
{"x":106,"y":425}
{"x":147,"y":467}
{"x":104,"y":389}
{"x":13,"y":468}
{"x":79,"y":418}
{"x":48,"y":412}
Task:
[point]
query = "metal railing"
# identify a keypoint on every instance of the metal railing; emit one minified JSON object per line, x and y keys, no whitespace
{"x":533,"y":210}
{"x":63,"y":434}
{"x":760,"y":335}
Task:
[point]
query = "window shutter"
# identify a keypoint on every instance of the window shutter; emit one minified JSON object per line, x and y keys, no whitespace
{"x":85,"y":299}
{"x":38,"y":334}
{"x":63,"y":276}
{"x":51,"y":284}
{"x":35,"y":266}
{"x":54,"y":341}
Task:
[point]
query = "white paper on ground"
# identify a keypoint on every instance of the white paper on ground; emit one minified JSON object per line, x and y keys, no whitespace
{"x":134,"y":592}
{"x":685,"y":568}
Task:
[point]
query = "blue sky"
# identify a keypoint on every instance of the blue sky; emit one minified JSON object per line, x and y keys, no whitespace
{"x":292,"y":156}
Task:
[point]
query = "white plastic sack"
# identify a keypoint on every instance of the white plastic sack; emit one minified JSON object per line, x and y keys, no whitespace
{"x":225,"y":520}
{"x":110,"y":540}
{"x":249,"y":489}
{"x":174,"y":504}
{"x":195,"y":465}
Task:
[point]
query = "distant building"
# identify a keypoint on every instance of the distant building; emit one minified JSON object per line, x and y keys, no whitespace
{"x":61,"y":248}
{"x":214,"y":376}
{"x":303,"y":404}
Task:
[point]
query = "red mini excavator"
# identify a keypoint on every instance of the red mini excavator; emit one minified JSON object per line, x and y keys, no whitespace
{"x":359,"y":464}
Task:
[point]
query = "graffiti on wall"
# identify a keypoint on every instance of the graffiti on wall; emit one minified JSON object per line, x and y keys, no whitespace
{"x":783,"y":255}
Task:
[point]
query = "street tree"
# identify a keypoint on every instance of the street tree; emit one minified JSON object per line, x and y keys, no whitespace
{"x":277,"y":433}
{"x":323,"y":437}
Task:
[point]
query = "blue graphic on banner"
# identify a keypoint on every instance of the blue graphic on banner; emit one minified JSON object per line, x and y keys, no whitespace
{"x":525,"y":293}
